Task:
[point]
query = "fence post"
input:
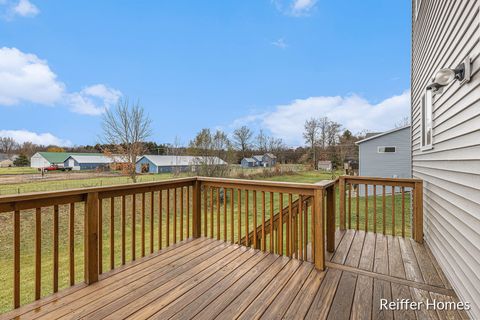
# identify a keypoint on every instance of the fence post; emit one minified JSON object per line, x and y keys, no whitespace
{"x":330,"y":218}
{"x":91,"y":238}
{"x":197,"y":209}
{"x":418,"y":212}
{"x":319,"y":242}
{"x":341,"y":190}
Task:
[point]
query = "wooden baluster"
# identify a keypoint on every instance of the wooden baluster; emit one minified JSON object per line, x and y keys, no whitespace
{"x":305,"y":236}
{"x":55,"y":248}
{"x":124,"y":207}
{"x":247,"y":234}
{"x":134,"y":223}
{"x":218,"y":213}
{"x":330,"y":206}
{"x":167,"y":227}
{"x":175,"y":215}
{"x":211,"y":212}
{"x":318,"y":235}
{"x":295,"y":235}
{"x":188,"y":212}
{"x":403,"y":211}
{"x":366,"y":207}
{"x":393,"y":210}
{"x":384,"y":214}
{"x":224,"y":214}
{"x":160,"y":218}
{"x":71,"y":242}
{"x":289,"y":227}
{"x":358,"y":207}
{"x":181,"y":213}
{"x":239,"y":213}
{"x":100,"y":236}
{"x":271,"y":223}
{"x":205,"y":211}
{"x":264,"y":237}
{"x":16,"y":259}
{"x":231,"y":216}
{"x":91,"y":238}
{"x":350,"y":206}
{"x":280,"y":225}
{"x":143,"y":224}
{"x":152,"y":199}
{"x":197,"y":209}
{"x":374,"y":208}
{"x":255,"y":243}
{"x":300,"y":225}
{"x":112,"y":233}
{"x":341,"y":191}
{"x":418,"y":212}
{"x":38,"y":252}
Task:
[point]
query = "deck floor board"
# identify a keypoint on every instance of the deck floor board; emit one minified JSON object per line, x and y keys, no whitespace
{"x":210,"y":279}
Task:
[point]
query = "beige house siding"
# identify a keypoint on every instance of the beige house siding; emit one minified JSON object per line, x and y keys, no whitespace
{"x":443,"y":34}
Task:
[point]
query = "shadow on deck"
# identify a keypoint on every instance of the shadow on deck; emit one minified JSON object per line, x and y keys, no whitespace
{"x":206,"y":279}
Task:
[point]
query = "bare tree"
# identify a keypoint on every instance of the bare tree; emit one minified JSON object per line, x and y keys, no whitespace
{"x":262,"y":141}
{"x":210,"y":149}
{"x":323,"y":124}
{"x":126,"y":127}
{"x":8,"y":145}
{"x":242,"y":139}
{"x":310,"y":135}
{"x":333,"y":132}
{"x":405,"y":121}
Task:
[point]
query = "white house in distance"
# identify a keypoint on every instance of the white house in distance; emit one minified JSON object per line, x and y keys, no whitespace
{"x":266,"y":160}
{"x":445,"y":112}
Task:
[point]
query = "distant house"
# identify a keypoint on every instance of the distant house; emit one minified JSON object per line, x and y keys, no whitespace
{"x":166,"y":164}
{"x":46,"y":159}
{"x":7,"y":160}
{"x":87,"y":162}
{"x":325,"y":165}
{"x":266,"y":160}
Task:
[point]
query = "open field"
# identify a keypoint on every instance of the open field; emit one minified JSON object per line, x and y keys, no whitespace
{"x":28,"y":225}
{"x":17,"y":170}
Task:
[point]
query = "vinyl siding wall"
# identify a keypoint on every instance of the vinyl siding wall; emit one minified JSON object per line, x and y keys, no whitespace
{"x":444,"y":33}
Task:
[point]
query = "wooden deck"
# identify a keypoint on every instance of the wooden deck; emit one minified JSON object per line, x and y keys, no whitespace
{"x":206,"y":279}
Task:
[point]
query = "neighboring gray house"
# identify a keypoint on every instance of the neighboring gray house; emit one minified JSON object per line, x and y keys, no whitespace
{"x":266,"y":160}
{"x":165,"y":164}
{"x":446,"y":137}
{"x":386,"y":154}
{"x":88,"y":162}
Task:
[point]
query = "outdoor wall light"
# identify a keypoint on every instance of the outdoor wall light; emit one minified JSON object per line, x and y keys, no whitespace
{"x":445,"y":76}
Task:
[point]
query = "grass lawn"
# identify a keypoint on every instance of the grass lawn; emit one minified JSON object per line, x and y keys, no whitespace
{"x":28,"y":225}
{"x":18,"y":170}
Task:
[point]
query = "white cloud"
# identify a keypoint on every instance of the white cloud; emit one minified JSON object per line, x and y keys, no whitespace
{"x":280,"y":43}
{"x":295,"y":7}
{"x":353,"y":112}
{"x":94,"y":100}
{"x":25,"y":78}
{"x":25,"y":8}
{"x":22,"y":136}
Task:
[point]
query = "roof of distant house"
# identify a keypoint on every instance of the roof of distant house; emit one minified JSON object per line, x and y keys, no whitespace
{"x":271,"y":155}
{"x":181,"y":160}
{"x":249,"y":159}
{"x":258,"y":158}
{"x":378,"y":135}
{"x":58,"y":157}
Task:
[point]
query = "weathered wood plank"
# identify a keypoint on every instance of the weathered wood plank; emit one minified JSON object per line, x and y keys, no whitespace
{"x":381,"y":255}
{"x":342,"y":250}
{"x":412,"y":270}
{"x":363,"y":298}
{"x":321,"y":304}
{"x":342,"y":302}
{"x":429,"y":273}
{"x":368,"y":252}
{"x":395,"y":261}
{"x":402,"y":292}
{"x":381,"y":290}
{"x":353,"y":257}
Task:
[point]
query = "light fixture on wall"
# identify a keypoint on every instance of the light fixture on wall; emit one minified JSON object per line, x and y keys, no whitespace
{"x":445,"y":76}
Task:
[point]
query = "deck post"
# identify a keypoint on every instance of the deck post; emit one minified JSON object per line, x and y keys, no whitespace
{"x":91,"y":238}
{"x":319,"y":242}
{"x":330,"y":218}
{"x":197,"y":209}
{"x":418,"y":212}
{"x":341,"y":190}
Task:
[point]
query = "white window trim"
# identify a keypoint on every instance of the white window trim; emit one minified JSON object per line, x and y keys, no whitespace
{"x":378,"y":149}
{"x":423,"y":126}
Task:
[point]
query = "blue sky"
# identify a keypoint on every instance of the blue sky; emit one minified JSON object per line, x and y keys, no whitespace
{"x":269,"y":64}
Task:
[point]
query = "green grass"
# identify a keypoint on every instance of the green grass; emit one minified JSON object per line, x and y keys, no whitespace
{"x":18,"y":170}
{"x":28,"y":225}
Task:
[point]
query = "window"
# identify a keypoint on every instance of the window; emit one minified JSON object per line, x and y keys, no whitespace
{"x":387,"y":149}
{"x":426,"y":113}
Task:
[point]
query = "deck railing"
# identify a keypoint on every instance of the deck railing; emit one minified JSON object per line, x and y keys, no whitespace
{"x":94,"y":230}
{"x":383,"y":205}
